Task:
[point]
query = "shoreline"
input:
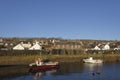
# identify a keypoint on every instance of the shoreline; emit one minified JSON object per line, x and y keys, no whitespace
{"x":26,"y":60}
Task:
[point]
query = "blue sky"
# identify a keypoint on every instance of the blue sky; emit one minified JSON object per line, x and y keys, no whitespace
{"x":68,"y":19}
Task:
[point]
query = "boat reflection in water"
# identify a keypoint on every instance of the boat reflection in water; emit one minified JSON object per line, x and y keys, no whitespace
{"x":42,"y":69}
{"x":93,"y":68}
{"x":38,"y":74}
{"x":67,"y":71}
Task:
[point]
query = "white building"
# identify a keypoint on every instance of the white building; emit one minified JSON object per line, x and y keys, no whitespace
{"x":36,"y":46}
{"x":116,"y":48}
{"x":18,"y":47}
{"x":106,"y":47}
{"x":26,"y":45}
{"x":96,"y":48}
{"x":22,"y":46}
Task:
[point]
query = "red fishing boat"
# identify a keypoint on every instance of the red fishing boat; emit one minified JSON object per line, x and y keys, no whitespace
{"x":43,"y":65}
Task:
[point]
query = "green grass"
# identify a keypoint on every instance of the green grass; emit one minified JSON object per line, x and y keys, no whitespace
{"x":26,"y":59}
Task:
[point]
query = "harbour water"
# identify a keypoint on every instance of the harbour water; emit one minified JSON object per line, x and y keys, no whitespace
{"x":67,"y":71}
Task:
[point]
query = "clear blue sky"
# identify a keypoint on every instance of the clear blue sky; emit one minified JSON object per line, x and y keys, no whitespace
{"x":68,"y":19}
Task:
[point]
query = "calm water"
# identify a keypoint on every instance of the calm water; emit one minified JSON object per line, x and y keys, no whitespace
{"x":67,"y":71}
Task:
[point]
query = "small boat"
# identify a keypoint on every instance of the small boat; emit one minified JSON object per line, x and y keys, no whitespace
{"x":91,"y":60}
{"x":44,"y":66}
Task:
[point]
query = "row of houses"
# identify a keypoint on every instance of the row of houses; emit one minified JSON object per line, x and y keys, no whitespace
{"x":57,"y":44}
{"x":38,"y":46}
{"x":67,"y":46}
{"x":105,"y":47}
{"x":28,"y":46}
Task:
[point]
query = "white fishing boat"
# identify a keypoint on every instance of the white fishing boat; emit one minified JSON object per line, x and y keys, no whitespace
{"x":91,"y":60}
{"x":40,"y":64}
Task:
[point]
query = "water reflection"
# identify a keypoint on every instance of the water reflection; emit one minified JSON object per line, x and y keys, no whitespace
{"x":92,"y":67}
{"x":37,"y":75}
{"x":66,"y":71}
{"x":69,"y":68}
{"x":12,"y":71}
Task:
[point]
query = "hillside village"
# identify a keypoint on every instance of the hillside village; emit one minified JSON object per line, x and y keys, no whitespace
{"x":57,"y":43}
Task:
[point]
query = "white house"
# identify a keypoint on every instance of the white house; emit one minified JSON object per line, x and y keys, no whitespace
{"x":26,"y":45}
{"x":116,"y":48}
{"x":36,"y":46}
{"x":96,"y":48}
{"x":106,"y":47}
{"x":18,"y":47}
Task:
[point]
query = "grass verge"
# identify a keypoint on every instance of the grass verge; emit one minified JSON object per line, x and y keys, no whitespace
{"x":27,"y":59}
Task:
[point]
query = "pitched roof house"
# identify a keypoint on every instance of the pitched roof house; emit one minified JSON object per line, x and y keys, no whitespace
{"x":96,"y":48}
{"x":36,"y":46}
{"x":26,"y":45}
{"x":18,"y":47}
{"x":106,"y":47}
{"x":117,"y":48}
{"x":22,"y":46}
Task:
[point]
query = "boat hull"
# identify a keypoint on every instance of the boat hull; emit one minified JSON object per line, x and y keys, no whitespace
{"x":35,"y":68}
{"x":92,"y":61}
